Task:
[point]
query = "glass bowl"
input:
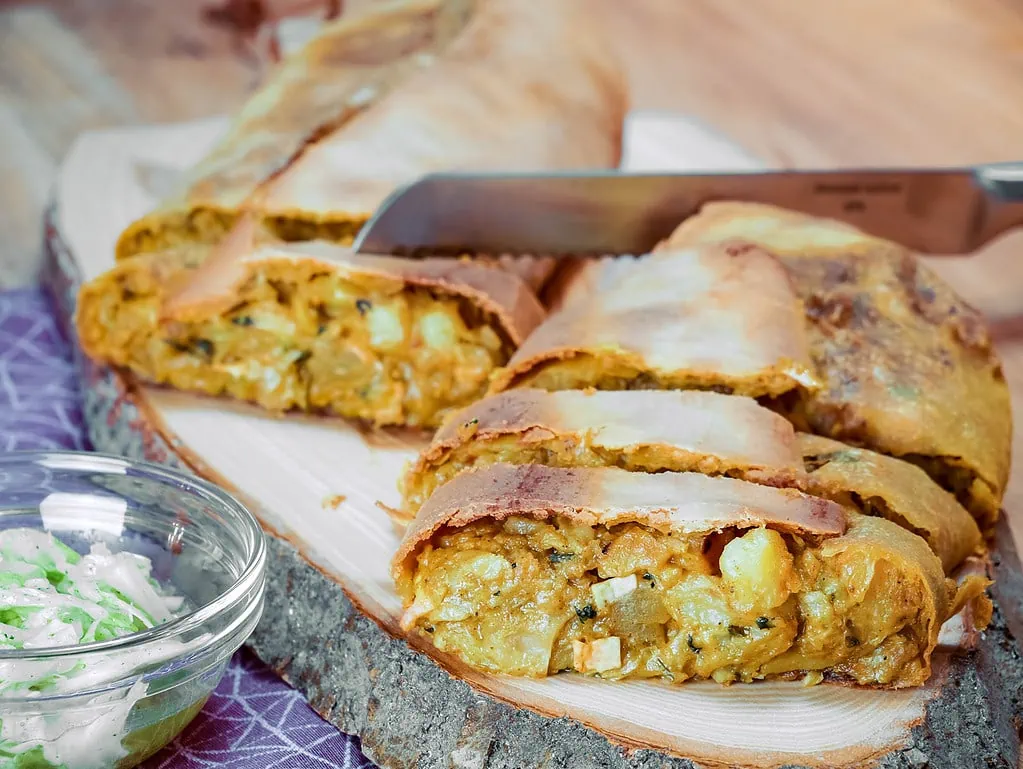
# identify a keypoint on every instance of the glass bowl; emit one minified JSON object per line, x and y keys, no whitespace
{"x":124,"y":699}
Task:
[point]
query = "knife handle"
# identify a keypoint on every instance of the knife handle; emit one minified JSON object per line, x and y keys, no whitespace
{"x":1002,"y":184}
{"x":1003,"y":181}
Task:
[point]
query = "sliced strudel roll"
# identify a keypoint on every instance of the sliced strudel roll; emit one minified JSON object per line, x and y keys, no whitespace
{"x":392,"y":92}
{"x":647,"y":431}
{"x":655,"y":431}
{"x":908,"y":368}
{"x":723,"y":318}
{"x":311,"y":326}
{"x":531,"y":570}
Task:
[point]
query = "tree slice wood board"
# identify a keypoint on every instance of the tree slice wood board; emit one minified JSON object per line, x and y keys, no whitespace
{"x":330,"y":625}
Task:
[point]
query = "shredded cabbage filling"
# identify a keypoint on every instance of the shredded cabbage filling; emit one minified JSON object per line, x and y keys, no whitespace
{"x":532,"y":598}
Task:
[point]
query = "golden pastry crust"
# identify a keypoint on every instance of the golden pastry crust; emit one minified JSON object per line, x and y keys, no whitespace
{"x":350,"y":64}
{"x":648,"y":431}
{"x":525,"y":87}
{"x":689,"y":503}
{"x":214,"y":286}
{"x":893,"y":489}
{"x":721,"y":317}
{"x":653,"y":431}
{"x":908,"y":368}
{"x":380,"y":99}
{"x":289,"y":171}
{"x":314,"y":327}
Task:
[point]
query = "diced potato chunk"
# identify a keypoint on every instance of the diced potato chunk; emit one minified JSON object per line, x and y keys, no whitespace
{"x":455,"y":608}
{"x":418,"y":608}
{"x":274,"y":323}
{"x":386,"y":329}
{"x":489,"y":338}
{"x":812,"y":678}
{"x":517,"y":524}
{"x":597,"y":656}
{"x":610,"y":590}
{"x":438,"y":330}
{"x":724,"y":675}
{"x":757,"y":570}
{"x":485,"y":566}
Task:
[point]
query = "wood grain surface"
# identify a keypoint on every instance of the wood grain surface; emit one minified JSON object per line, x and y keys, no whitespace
{"x":798,"y":84}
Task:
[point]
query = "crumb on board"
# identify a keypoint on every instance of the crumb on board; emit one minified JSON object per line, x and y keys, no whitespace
{"x":334,"y":501}
{"x":398,"y":519}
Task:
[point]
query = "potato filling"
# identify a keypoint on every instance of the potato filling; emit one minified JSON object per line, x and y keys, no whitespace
{"x":209,"y":225}
{"x":964,"y":484}
{"x":373,"y":349}
{"x":610,"y":372}
{"x":172,"y":230}
{"x":533,"y":598}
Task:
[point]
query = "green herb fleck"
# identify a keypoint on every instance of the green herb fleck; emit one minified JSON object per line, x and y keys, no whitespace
{"x":202,"y":347}
{"x":904,"y":391}
{"x":363,"y":306}
{"x":585,"y":612}
{"x":764,"y":623}
{"x":667,"y":671}
{"x":205,"y":346}
{"x":692,"y":646}
{"x":242,"y":320}
{"x":557,"y":557}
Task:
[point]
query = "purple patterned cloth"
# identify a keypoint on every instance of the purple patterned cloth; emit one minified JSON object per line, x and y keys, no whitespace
{"x":253,"y":720}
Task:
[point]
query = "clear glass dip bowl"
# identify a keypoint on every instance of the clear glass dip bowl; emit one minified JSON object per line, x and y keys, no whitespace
{"x":139,"y":691}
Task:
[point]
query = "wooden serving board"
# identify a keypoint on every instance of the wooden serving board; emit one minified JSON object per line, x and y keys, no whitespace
{"x":331,"y":619}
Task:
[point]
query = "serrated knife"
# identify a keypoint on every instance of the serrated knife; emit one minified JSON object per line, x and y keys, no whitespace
{"x":935,"y":211}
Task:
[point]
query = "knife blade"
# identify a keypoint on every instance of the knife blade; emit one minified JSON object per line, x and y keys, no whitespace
{"x":949,"y":211}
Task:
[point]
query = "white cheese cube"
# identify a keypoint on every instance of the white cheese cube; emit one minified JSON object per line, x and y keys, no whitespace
{"x":610,"y":590}
{"x":597,"y":656}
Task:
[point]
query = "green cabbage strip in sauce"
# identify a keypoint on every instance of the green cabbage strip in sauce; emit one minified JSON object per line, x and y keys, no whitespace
{"x":52,"y":596}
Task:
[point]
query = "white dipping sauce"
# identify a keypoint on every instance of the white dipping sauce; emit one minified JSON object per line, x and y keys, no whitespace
{"x":51,"y":596}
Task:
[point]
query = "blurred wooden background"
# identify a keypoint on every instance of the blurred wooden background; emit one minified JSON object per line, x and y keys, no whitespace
{"x":797,"y":83}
